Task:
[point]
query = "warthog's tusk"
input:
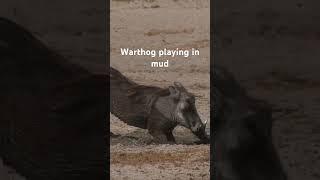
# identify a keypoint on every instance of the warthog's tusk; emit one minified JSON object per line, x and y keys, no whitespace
{"x":205,"y":123}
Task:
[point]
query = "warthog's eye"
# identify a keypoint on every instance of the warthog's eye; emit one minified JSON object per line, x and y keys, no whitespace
{"x":191,"y":100}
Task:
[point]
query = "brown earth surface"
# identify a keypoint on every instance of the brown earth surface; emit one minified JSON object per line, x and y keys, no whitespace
{"x":156,"y":25}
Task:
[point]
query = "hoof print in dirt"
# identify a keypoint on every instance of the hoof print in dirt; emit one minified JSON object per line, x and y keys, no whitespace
{"x":159,"y":110}
{"x":243,"y":139}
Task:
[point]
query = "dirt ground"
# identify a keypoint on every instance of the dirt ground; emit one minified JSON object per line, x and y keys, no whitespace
{"x":156,"y":25}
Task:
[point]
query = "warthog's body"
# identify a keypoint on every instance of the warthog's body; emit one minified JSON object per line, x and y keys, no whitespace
{"x":52,"y":112}
{"x":156,"y":109}
{"x":243,"y":148}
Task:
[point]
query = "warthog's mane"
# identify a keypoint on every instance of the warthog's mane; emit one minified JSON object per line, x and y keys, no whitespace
{"x":137,"y":93}
{"x":149,"y":98}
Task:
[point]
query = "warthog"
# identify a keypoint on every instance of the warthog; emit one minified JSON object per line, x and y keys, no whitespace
{"x":156,"y":109}
{"x":243,"y":148}
{"x":53,"y":113}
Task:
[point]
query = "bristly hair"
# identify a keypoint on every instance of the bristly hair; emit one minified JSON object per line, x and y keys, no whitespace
{"x":138,"y":94}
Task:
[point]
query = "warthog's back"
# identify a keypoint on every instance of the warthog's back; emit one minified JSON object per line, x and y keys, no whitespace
{"x":128,"y":100}
{"x":52,"y":112}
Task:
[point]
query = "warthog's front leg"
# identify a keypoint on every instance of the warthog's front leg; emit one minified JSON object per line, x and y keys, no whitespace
{"x":158,"y":136}
{"x":161,"y":137}
{"x":170,"y":137}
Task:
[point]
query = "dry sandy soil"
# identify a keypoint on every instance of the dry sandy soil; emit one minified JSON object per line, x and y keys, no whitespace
{"x":156,"y":25}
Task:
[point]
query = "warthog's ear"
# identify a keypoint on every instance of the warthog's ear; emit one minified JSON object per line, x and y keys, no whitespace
{"x":179,"y":86}
{"x":174,"y":92}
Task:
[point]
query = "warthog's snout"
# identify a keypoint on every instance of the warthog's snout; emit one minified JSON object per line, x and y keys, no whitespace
{"x":200,"y":131}
{"x":199,"y":126}
{"x":196,"y":128}
{"x":177,"y":107}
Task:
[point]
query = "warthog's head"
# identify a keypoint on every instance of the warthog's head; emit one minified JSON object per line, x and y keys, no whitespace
{"x":179,"y":106}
